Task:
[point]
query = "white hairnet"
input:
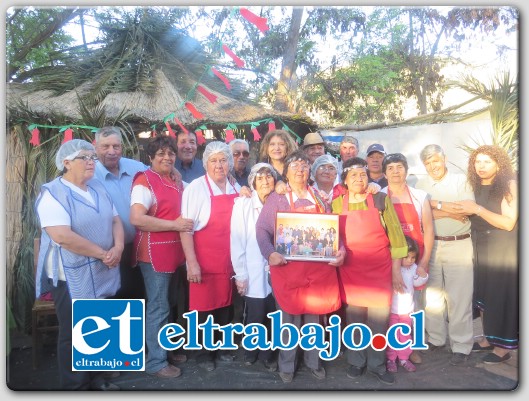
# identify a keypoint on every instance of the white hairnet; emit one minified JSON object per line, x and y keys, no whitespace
{"x":255,"y":169}
{"x":320,"y":161}
{"x":71,"y":149}
{"x":214,"y":148}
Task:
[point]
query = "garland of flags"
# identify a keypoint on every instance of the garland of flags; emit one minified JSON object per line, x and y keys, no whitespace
{"x":261,"y":24}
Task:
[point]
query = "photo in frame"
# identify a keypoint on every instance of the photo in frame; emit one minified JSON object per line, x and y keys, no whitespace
{"x":307,"y":236}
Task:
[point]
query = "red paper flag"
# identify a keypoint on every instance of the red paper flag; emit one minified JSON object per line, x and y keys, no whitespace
{"x":259,"y":22}
{"x":35,"y":138}
{"x":256,"y":135}
{"x":197,"y":114}
{"x":200,"y":137}
{"x":153,"y":133}
{"x":271,"y":126}
{"x":210,"y":96}
{"x":171,"y":132}
{"x":229,"y":135}
{"x":184,"y":129}
{"x":94,"y":142}
{"x":68,"y":135}
{"x":230,"y":53}
{"x":222,"y":78}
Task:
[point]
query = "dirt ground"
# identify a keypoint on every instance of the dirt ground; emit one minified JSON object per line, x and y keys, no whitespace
{"x":435,"y":373}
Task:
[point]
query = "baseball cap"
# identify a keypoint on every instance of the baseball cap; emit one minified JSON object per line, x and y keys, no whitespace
{"x":375,"y":147}
{"x":312,"y":138}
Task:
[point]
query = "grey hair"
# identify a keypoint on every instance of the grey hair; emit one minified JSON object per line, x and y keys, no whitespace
{"x":236,"y":141}
{"x":214,"y":148}
{"x":350,"y":139}
{"x":431,"y":150}
{"x":108,"y":131}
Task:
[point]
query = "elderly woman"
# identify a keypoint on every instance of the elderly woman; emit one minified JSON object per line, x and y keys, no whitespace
{"x":275,"y":147}
{"x":375,"y":244}
{"x":295,"y":282}
{"x":324,"y":171}
{"x":208,"y":201}
{"x":80,"y":248}
{"x":250,"y":267}
{"x":495,"y":235}
{"x":415,"y":215}
{"x":155,"y":212}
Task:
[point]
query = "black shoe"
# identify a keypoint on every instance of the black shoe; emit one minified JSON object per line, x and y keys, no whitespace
{"x":104,"y":386}
{"x":225,"y":357}
{"x":249,"y":360}
{"x":385,"y":377}
{"x":458,"y":359}
{"x":432,"y":348}
{"x":478,"y":348}
{"x":270,"y":364}
{"x":492,"y":358}
{"x":208,"y":366}
{"x":319,"y":373}
{"x":354,"y":372}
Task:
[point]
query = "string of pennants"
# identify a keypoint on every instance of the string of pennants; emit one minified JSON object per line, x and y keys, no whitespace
{"x":261,"y":24}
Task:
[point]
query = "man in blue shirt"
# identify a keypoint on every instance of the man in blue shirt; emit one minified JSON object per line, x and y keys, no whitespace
{"x":186,"y":163}
{"x":116,"y":174}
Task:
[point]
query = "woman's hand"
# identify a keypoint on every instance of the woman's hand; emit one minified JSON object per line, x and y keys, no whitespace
{"x":467,"y":207}
{"x":373,"y":188}
{"x":113,"y":257}
{"x":242,"y":286}
{"x":245,"y":192}
{"x":398,"y":282}
{"x":340,"y":257}
{"x":183,"y":225}
{"x":276,"y":259}
{"x":281,"y":188}
{"x":194,"y":274}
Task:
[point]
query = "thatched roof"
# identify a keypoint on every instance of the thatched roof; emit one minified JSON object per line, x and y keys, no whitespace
{"x":142,"y":106}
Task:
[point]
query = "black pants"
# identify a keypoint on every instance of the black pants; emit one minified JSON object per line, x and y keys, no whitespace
{"x":69,"y":380}
{"x":132,"y":286}
{"x":255,"y":311}
{"x":221,"y":316}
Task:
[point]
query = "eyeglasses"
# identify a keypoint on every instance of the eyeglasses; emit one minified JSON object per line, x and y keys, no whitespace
{"x":87,"y":158}
{"x":330,"y":169}
{"x":299,"y":166}
{"x":244,"y":153}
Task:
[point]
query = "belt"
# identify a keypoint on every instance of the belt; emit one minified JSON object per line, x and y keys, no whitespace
{"x":453,"y":237}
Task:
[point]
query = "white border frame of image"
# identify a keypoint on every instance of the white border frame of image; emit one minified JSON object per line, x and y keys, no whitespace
{"x":522,"y":6}
{"x":333,"y":219}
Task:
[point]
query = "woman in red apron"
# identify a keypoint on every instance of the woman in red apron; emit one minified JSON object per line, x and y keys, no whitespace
{"x":155,"y":212}
{"x":303,"y":290}
{"x":374,"y":245}
{"x":415,"y":216}
{"x":208,"y":201}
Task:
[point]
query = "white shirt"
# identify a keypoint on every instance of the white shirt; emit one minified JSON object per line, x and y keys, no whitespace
{"x":402,"y":303}
{"x":246,"y":258}
{"x":196,"y":203}
{"x":143,"y":195}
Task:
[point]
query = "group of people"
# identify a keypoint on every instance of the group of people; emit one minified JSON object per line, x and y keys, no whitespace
{"x":204,"y":231}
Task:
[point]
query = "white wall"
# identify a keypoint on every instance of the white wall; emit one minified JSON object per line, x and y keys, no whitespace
{"x":410,"y":140}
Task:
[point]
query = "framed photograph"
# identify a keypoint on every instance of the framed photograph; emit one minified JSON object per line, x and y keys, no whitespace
{"x":307,"y":236}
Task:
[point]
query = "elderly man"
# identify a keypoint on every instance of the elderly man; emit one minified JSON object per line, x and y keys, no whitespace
{"x":449,"y":291}
{"x":240,"y":149}
{"x":186,"y":162}
{"x":313,"y":146}
{"x":375,"y":155}
{"x":116,"y":173}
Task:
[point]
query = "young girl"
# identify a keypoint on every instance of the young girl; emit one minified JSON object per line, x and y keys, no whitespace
{"x":402,"y":305}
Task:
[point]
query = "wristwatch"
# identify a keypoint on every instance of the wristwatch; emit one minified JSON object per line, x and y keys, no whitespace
{"x":439,"y":205}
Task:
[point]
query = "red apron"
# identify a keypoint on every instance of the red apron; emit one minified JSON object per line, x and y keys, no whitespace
{"x":302,"y":287}
{"x":163,"y":249}
{"x":212,"y":248}
{"x":366,"y":275}
{"x":410,"y":223}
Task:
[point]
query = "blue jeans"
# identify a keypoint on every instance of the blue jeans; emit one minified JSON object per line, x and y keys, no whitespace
{"x":156,"y":315}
